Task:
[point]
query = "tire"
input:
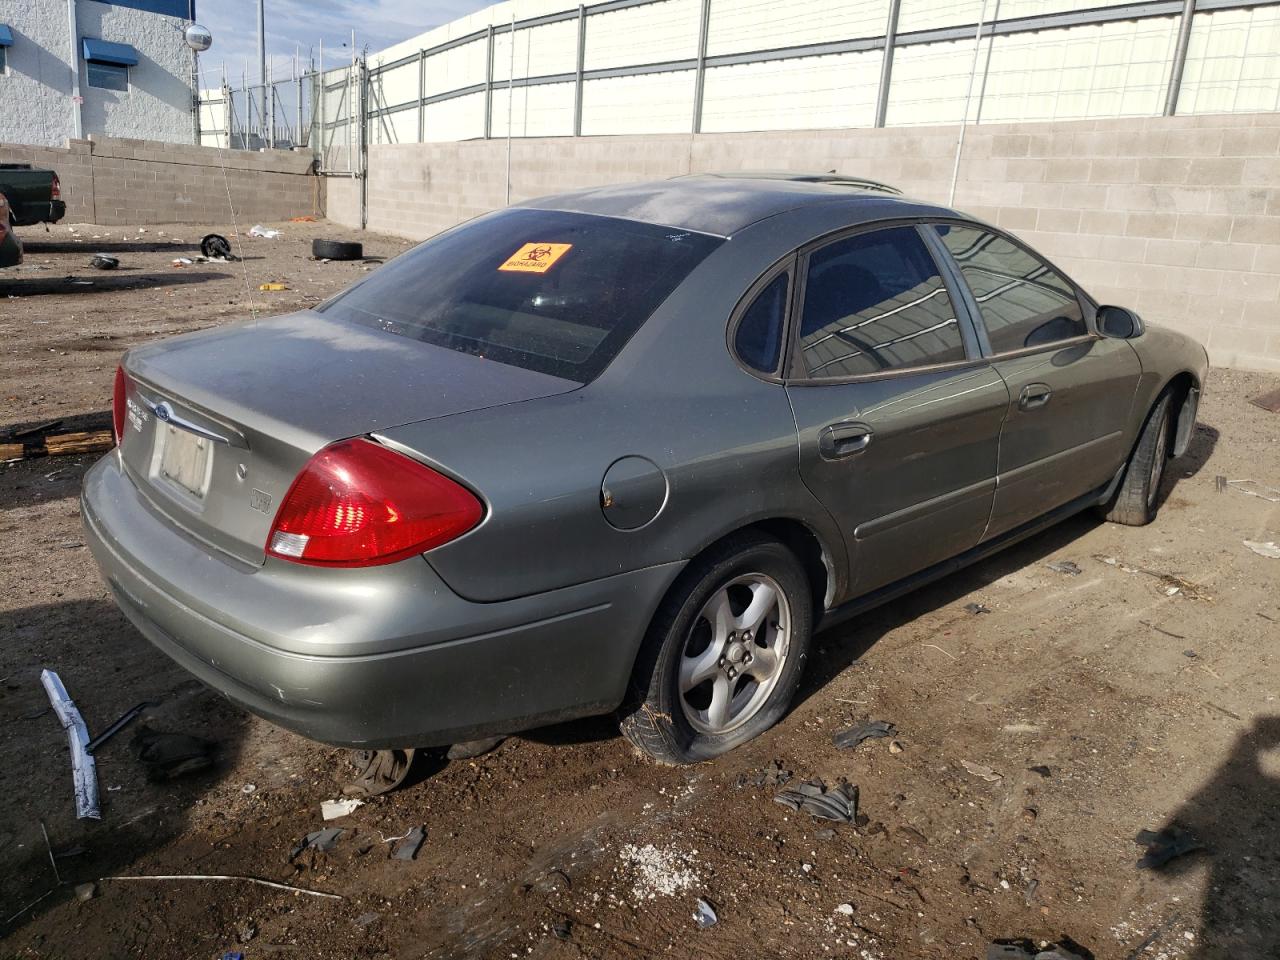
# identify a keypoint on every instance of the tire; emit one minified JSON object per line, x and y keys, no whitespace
{"x":1135,"y":500}
{"x":336,"y":250}
{"x":739,"y":696}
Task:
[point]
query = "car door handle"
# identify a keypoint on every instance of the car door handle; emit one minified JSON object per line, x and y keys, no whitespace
{"x":840,"y":440}
{"x":1034,"y":395}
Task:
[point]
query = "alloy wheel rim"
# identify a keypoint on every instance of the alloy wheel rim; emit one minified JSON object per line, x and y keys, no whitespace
{"x":734,"y":653}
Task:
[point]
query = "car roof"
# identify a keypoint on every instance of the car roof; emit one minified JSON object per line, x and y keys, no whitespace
{"x":724,"y":203}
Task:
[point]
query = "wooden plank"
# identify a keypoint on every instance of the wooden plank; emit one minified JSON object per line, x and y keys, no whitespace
{"x":66,"y":444}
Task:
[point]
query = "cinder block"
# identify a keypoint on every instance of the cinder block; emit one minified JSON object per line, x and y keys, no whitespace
{"x":1256,"y":230}
{"x":1197,"y":226}
{"x":1154,"y":225}
{"x":1226,"y":256}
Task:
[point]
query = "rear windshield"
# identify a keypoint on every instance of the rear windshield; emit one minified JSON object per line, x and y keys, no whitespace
{"x":555,"y":292}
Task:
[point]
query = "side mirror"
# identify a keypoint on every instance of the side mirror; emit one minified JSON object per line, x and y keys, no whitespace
{"x":1119,"y":323}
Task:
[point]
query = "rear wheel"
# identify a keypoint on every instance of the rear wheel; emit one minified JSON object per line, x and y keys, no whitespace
{"x":724,"y":655}
{"x":1134,"y":503}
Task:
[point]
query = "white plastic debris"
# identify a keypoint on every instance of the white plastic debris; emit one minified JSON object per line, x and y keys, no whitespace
{"x":333,"y":809}
{"x":705,"y":915}
{"x":258,"y":230}
{"x":845,"y":909}
{"x":83,"y":771}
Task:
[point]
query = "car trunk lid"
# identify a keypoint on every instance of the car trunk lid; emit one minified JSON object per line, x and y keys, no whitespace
{"x":219,"y":423}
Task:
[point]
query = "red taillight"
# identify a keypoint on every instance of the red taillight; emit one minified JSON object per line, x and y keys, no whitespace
{"x":57,"y":188}
{"x":356,"y":504}
{"x":119,"y":399}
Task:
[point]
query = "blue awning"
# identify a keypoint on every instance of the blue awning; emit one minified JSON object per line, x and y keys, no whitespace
{"x":104,"y":51}
{"x":6,"y":35}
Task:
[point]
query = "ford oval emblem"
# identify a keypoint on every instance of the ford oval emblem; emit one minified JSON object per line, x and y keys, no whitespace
{"x":163,"y":412}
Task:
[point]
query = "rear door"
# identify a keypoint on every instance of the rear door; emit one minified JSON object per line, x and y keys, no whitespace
{"x":1070,"y":391}
{"x":898,"y":416}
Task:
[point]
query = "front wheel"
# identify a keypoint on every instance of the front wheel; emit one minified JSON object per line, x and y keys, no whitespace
{"x":1134,"y":503}
{"x":724,"y":655}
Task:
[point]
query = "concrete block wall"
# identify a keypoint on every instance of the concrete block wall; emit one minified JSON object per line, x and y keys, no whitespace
{"x":1178,"y":217}
{"x":118,"y":181}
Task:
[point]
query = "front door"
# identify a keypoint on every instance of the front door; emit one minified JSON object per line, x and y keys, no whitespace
{"x":1069,"y":391}
{"x":899,"y":420}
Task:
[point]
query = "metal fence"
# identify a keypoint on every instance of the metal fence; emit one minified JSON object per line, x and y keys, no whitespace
{"x":467,"y":87}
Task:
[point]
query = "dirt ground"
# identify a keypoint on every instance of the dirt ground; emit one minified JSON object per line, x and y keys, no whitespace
{"x":1102,"y":703}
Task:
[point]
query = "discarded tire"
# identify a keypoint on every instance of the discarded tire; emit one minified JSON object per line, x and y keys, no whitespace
{"x":336,"y":250}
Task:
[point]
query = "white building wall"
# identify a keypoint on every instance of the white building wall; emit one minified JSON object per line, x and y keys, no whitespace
{"x":36,"y":105}
{"x":35,"y":91}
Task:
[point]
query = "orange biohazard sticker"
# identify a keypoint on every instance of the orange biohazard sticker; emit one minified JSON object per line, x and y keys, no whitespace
{"x":536,"y":257}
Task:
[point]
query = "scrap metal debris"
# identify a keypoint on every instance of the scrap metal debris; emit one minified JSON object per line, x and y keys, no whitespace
{"x":871,"y":729}
{"x":1267,"y":401}
{"x":83,"y":770}
{"x":407,"y":848}
{"x":705,"y":915}
{"x":101,"y":261}
{"x":839,"y":803}
{"x":1268,"y":549}
{"x":239,"y":879}
{"x":978,"y":770}
{"x":1065,"y":566}
{"x":1164,"y":845}
{"x":321,"y":840}
{"x":1255,"y":489}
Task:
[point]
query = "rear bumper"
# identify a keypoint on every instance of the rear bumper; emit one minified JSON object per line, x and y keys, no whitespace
{"x":44,"y":211}
{"x":379,"y":657}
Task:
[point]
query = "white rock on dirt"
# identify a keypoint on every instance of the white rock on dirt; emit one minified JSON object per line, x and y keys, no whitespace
{"x":659,"y":872}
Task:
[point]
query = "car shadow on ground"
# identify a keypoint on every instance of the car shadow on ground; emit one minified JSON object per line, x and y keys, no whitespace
{"x":101,"y":282}
{"x":1236,"y":816}
{"x":90,"y":246}
{"x":107,"y":668}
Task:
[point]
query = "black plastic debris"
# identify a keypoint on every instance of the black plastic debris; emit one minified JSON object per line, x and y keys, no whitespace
{"x":470,"y":749}
{"x":562,"y":929}
{"x":1164,"y":845}
{"x":839,"y":803}
{"x":215,"y":247}
{"x":771,"y":776}
{"x":101,"y":261}
{"x":976,"y":608}
{"x":322,"y":840}
{"x":170,"y":755}
{"x":871,"y":729}
{"x":1026,"y":950}
{"x":124,"y":720}
{"x":407,"y":848}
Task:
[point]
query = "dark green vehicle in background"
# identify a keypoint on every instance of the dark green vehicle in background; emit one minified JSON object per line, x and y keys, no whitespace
{"x":33,"y":195}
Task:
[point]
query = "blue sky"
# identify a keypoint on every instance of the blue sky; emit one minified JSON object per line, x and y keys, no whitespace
{"x":377,"y":23}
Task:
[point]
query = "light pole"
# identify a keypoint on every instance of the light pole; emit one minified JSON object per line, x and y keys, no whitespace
{"x":262,"y":65}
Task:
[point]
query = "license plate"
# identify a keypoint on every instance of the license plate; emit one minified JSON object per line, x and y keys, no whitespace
{"x":184,"y":460}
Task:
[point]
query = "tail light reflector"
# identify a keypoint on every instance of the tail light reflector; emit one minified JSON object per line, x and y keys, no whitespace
{"x":56,"y":194}
{"x":119,"y":400}
{"x":357,"y":503}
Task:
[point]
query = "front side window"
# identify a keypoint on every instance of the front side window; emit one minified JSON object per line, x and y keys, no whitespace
{"x":547,"y":290}
{"x":876,"y":302}
{"x":758,"y":340}
{"x":107,"y":76}
{"x":1024,"y":302}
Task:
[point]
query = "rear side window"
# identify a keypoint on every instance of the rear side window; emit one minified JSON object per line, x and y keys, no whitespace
{"x":559,"y":293}
{"x":875,"y":302}
{"x":1023,"y":301}
{"x":758,"y":340}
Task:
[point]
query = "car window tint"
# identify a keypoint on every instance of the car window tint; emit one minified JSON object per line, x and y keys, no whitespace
{"x":758,"y":340}
{"x":546,"y":290}
{"x":875,"y":302}
{"x":1023,"y":302}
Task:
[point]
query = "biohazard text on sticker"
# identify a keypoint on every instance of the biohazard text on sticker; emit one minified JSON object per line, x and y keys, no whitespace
{"x":536,"y":257}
